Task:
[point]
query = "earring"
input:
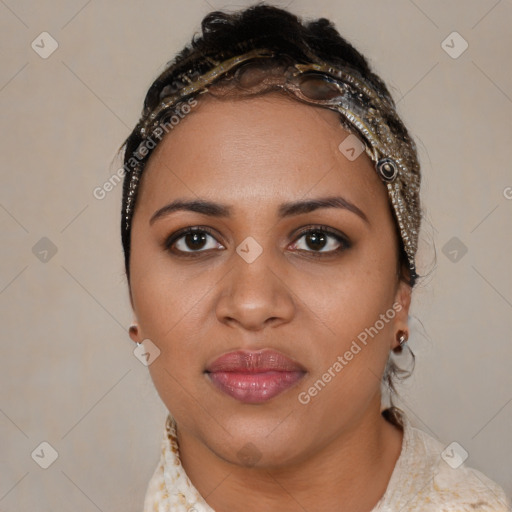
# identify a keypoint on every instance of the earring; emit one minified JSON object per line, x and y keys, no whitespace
{"x":401,"y":337}
{"x":133,"y":330}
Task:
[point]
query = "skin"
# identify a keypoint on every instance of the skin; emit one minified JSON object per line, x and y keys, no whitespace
{"x":253,"y":155}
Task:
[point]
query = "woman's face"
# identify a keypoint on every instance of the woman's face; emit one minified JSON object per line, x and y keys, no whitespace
{"x":254,"y":280}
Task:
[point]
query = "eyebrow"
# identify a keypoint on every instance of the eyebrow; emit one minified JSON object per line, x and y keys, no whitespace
{"x":290,"y":209}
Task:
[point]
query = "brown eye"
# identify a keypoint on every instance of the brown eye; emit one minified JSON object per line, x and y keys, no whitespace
{"x":192,"y":240}
{"x":321,"y":240}
{"x":316,"y":240}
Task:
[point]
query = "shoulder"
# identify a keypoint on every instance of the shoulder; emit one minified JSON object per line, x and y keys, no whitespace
{"x":455,"y":485}
{"x":432,"y":477}
{"x":450,"y":485}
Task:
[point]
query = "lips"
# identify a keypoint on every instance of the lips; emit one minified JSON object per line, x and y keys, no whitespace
{"x":254,"y":377}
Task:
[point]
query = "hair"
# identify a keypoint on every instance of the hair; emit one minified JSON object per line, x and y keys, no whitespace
{"x":225,"y":35}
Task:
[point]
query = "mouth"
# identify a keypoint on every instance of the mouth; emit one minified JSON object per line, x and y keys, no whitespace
{"x":254,"y":377}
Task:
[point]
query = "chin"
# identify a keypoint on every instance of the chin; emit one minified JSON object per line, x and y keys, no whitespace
{"x":258,"y":440}
{"x":259,"y":453}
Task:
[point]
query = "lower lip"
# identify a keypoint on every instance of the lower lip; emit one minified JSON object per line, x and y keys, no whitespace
{"x":253,"y":388}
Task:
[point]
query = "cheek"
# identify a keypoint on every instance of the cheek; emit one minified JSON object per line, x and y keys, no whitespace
{"x":350,"y":355}
{"x":164,"y":295}
{"x":171,"y":318}
{"x":169,"y":315}
{"x":168,"y":305}
{"x":355,"y":320}
{"x":353,"y":297}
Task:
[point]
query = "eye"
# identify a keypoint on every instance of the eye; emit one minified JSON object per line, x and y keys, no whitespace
{"x":321,"y":240}
{"x":192,"y":240}
{"x":317,"y":241}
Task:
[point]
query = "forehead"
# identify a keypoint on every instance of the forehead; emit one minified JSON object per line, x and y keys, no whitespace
{"x":257,"y":149}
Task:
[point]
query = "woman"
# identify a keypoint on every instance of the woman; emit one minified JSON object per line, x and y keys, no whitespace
{"x":270,"y":255}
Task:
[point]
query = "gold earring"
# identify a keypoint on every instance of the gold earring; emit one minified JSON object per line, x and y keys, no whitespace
{"x":401,"y":337}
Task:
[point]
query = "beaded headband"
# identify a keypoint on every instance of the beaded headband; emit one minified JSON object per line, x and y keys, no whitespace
{"x":363,"y":111}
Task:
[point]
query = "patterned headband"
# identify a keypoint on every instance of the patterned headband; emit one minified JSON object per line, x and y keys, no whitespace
{"x":364,"y":112}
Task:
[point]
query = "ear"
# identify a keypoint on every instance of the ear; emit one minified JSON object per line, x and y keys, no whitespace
{"x":134,"y":333}
{"x":401,"y":306}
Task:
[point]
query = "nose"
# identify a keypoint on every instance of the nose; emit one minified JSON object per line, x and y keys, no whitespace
{"x":255,"y":294}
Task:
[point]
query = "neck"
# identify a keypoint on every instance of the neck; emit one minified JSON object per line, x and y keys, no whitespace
{"x":351,"y":472}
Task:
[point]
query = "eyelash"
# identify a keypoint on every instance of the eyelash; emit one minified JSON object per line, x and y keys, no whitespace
{"x":341,"y":239}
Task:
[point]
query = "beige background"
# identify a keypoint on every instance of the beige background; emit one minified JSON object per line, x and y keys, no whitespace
{"x":68,"y":374}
